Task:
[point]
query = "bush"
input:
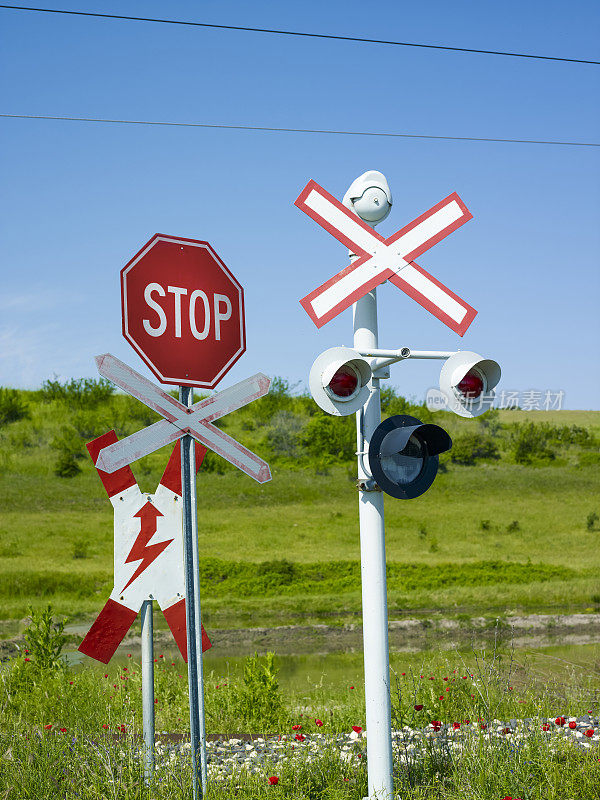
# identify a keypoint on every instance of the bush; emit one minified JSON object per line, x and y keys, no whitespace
{"x":392,"y":403}
{"x":12,"y":406}
{"x":78,"y":391}
{"x":592,"y":519}
{"x":66,"y":466}
{"x":283,"y":434}
{"x":531,"y":442}
{"x":467,"y":448}
{"x":329,"y":436}
{"x":45,"y":640}
{"x":258,"y":701}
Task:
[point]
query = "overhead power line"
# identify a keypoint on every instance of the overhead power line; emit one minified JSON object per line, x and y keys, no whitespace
{"x":297,"y":130}
{"x":297,"y":33}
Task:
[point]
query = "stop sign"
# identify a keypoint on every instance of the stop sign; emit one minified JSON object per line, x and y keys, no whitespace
{"x":183,"y":311}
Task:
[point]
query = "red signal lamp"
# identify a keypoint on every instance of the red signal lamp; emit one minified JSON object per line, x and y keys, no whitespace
{"x":344,"y":382}
{"x":471,"y":385}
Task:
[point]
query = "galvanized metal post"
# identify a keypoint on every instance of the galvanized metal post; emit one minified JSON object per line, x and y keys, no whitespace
{"x":148,"y":688}
{"x":373,"y":575}
{"x":192,"y":605}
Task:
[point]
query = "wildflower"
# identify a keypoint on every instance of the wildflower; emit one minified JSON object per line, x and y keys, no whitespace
{"x":319,"y":723}
{"x":296,"y":727}
{"x":105,"y":726}
{"x":545,"y":727}
{"x":70,"y":683}
{"x":442,"y":697}
{"x":436,"y":725}
{"x":560,"y":721}
{"x":572,"y":725}
{"x":404,"y":673}
{"x":456,"y":725}
{"x":161,"y":656}
{"x":273,"y":780}
{"x":63,"y":730}
{"x":128,"y":655}
{"x":299,"y":737}
{"x":445,"y":679}
{"x":27,"y":659}
{"x":49,"y":728}
{"x":589,"y":733}
{"x":352,"y":687}
{"x":155,"y":702}
{"x":357,"y":729}
{"x":106,"y":675}
{"x":483,"y":726}
{"x":418,"y":708}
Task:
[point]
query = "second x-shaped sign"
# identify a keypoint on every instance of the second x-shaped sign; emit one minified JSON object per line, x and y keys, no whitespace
{"x":179,"y":419}
{"x":385,"y":259}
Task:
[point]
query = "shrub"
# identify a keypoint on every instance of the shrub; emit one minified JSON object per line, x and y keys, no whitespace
{"x":531,"y":442}
{"x":283,"y":434}
{"x":469,"y":447}
{"x":87,"y":392}
{"x":485,"y":525}
{"x":513,"y":526}
{"x":45,"y":640}
{"x":66,"y":466}
{"x":592,"y":519}
{"x":259,"y":699}
{"x":393,"y":403}
{"x":329,"y":436}
{"x":80,"y":549}
{"x":12,"y":406}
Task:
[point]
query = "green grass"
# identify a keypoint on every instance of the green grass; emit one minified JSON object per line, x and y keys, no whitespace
{"x":90,"y":704}
{"x":485,"y":539}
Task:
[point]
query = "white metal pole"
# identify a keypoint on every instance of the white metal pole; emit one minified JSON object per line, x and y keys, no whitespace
{"x":373,"y":576}
{"x":192,"y":606}
{"x":148,"y":688}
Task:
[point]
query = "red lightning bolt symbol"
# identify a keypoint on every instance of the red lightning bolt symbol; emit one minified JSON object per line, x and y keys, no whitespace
{"x":141,"y":550}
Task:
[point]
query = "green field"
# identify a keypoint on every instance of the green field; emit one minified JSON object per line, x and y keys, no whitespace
{"x":514,"y":531}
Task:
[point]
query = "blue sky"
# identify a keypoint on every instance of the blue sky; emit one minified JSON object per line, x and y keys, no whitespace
{"x":80,"y":199}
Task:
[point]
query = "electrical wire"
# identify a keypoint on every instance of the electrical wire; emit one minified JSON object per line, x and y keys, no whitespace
{"x":298,"y":130}
{"x":305,"y":34}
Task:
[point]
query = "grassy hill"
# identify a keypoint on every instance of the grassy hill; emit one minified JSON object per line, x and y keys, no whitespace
{"x":510,"y":523}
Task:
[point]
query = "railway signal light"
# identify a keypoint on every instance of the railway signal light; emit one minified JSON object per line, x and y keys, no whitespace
{"x":403,"y":455}
{"x":467,"y":381}
{"x":339,"y":381}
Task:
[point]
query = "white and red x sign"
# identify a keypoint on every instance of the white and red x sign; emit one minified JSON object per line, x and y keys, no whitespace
{"x":179,"y":420}
{"x":385,"y":259}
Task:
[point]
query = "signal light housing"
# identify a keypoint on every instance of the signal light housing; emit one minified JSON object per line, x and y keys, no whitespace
{"x":467,"y":381}
{"x":339,"y":381}
{"x":403,"y":455}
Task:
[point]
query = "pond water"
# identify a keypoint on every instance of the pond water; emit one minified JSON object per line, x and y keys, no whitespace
{"x":337,"y":669}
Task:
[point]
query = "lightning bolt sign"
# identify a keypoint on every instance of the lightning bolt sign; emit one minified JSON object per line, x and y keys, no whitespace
{"x":143,"y":551}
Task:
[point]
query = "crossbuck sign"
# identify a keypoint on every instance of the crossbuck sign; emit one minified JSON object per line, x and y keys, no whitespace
{"x":179,"y":419}
{"x":385,"y":259}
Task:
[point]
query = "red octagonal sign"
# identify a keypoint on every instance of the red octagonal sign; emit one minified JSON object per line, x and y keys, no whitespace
{"x":183,"y":311}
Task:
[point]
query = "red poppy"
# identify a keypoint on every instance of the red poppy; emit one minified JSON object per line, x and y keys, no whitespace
{"x":589,"y":733}
{"x":483,"y":726}
{"x":560,"y":721}
{"x":506,"y":730}
{"x":442,"y":697}
{"x":436,"y":725}
{"x":456,"y":725}
{"x":299,"y":737}
{"x":273,"y":780}
{"x":545,"y":727}
{"x":296,"y":727}
{"x":70,"y":683}
{"x":404,"y":673}
{"x":352,"y":687}
{"x":105,"y":726}
{"x":357,"y":729}
{"x":27,"y":659}
{"x":128,"y":655}
{"x":49,"y":728}
{"x":63,"y":730}
{"x":445,"y":679}
{"x":572,"y":725}
{"x":319,"y":723}
{"x":161,"y":656}
{"x":418,"y":708}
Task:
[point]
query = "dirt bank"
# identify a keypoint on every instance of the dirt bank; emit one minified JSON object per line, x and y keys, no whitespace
{"x":407,"y":635}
